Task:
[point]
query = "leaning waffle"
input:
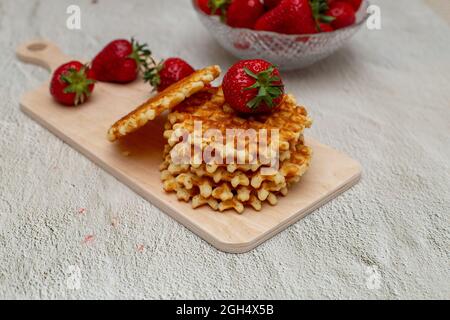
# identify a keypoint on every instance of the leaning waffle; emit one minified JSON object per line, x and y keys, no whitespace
{"x":165,"y":100}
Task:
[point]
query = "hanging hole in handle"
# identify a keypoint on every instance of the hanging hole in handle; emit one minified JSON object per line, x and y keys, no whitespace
{"x":37,"y":46}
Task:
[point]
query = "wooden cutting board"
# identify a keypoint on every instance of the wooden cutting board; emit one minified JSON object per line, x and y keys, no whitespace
{"x":135,"y":160}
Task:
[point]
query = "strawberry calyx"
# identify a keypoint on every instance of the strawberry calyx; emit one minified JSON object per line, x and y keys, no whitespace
{"x":319,"y":7}
{"x":146,"y":63}
{"x":78,"y":83}
{"x":268,"y":85}
{"x":152,"y":76}
{"x":142,"y":55}
{"x":219,"y":6}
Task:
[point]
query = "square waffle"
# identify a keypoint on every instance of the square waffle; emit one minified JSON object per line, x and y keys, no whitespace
{"x":222,"y":190}
{"x":210,"y":108}
{"x":165,"y":100}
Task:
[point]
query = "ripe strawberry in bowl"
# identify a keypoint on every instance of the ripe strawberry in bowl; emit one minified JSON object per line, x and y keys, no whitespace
{"x":244,"y":13}
{"x":289,"y":17}
{"x":342,"y":13}
{"x":325,"y":27}
{"x":292,"y":34}
{"x":214,"y":7}
{"x":253,"y":86}
{"x":356,"y":4}
{"x":270,"y":4}
{"x":204,"y":6}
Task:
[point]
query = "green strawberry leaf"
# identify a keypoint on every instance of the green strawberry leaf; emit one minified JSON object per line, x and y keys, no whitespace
{"x":267,"y":85}
{"x":78,"y":83}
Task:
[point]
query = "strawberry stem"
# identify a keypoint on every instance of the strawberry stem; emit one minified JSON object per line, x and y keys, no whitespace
{"x":151,"y":74}
{"x":147,"y":65}
{"x":319,"y":7}
{"x":222,"y":5}
{"x":268,"y":89}
{"x":142,"y":55}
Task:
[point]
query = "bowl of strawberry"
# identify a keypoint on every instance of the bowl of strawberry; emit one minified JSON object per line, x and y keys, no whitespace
{"x":293,"y":34}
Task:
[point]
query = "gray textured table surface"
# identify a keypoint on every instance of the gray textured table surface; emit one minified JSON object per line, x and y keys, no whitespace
{"x":384,"y":99}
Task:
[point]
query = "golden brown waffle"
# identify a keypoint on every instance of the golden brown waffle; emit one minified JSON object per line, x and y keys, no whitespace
{"x":211,"y":169}
{"x":221,"y":198}
{"x":165,"y":100}
{"x":210,"y":108}
{"x":223,"y":190}
{"x":295,"y":164}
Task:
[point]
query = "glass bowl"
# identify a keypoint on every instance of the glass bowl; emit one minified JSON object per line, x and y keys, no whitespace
{"x":287,"y":52}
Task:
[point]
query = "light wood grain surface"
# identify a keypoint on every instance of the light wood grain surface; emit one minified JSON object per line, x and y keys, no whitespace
{"x":85,"y":127}
{"x":441,"y":7}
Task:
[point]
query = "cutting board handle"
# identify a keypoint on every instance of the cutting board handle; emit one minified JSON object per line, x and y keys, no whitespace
{"x":42,"y":53}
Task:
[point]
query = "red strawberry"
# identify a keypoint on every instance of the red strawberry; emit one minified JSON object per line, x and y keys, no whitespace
{"x":325,"y":27}
{"x":204,"y":6}
{"x":244,"y":13}
{"x":289,"y":17}
{"x":356,"y":4}
{"x":343,"y":13}
{"x":167,"y":73}
{"x":120,"y":61}
{"x":72,"y":83}
{"x":253,"y":86}
{"x":219,"y":7}
{"x":270,"y":4}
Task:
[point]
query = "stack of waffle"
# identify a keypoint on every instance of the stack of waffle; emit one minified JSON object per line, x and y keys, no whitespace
{"x":223,"y":185}
{"x":238,"y":173}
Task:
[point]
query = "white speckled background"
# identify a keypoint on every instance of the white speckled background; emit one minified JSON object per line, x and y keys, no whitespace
{"x":384,"y":99}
